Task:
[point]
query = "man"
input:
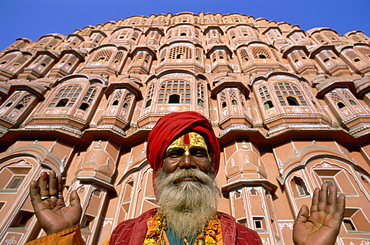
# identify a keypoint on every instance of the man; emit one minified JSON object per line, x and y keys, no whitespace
{"x":184,"y":154}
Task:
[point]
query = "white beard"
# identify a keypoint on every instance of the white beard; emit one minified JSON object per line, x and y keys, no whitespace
{"x":187,"y":205}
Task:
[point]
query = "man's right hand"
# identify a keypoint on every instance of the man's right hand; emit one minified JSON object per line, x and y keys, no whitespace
{"x":48,"y":203}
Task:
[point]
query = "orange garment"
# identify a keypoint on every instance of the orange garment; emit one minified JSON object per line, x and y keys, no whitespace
{"x":231,"y":233}
{"x":71,"y":235}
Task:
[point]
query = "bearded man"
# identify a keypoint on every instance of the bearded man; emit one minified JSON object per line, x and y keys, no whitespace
{"x":184,"y":154}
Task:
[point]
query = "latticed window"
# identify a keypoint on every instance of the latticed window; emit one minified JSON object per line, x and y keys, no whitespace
{"x":127,"y":101}
{"x":222,"y":55}
{"x":7,"y":58}
{"x":163,"y":55}
{"x":331,"y":35}
{"x":122,"y":35}
{"x":103,"y":55}
{"x":260,"y":53}
{"x":337,"y":99}
{"x":118,"y":58}
{"x":243,"y":32}
{"x":223,"y":99}
{"x":364,"y":51}
{"x":88,"y":98}
{"x":242,"y":100}
{"x":289,"y":94}
{"x":233,"y":97}
{"x":180,"y":53}
{"x":244,"y":55}
{"x":117,"y":97}
{"x":320,"y":38}
{"x":175,"y":92}
{"x":23,"y":103}
{"x":352,"y":55}
{"x":149,"y":96}
{"x":198,"y":55}
{"x":265,"y":97}
{"x":232,"y":34}
{"x":200,"y":94}
{"x":66,"y":96}
{"x":135,"y":36}
{"x":12,"y":99}
{"x":343,"y":99}
{"x":299,"y":187}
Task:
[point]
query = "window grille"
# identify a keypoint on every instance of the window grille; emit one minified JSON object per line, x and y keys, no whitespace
{"x":289,"y":93}
{"x":66,"y":96}
{"x":171,"y":88}
{"x":180,"y":53}
{"x":260,"y":53}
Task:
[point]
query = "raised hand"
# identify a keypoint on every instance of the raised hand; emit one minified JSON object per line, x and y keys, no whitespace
{"x":48,"y":203}
{"x":321,"y":224}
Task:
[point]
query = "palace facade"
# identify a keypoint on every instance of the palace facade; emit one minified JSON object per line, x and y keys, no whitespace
{"x":290,"y":108}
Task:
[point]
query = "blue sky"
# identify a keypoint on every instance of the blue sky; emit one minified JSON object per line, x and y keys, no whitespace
{"x":34,"y":18}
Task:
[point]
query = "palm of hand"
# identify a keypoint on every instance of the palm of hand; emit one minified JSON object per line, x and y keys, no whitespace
{"x":56,"y":216}
{"x":322,"y":225}
{"x":52,"y":213}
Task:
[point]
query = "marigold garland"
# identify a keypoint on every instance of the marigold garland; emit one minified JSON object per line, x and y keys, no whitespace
{"x":207,"y":235}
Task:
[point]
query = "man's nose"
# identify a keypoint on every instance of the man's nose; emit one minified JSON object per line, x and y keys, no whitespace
{"x":187,"y":161}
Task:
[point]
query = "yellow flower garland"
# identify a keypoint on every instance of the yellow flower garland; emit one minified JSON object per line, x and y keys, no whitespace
{"x":207,"y":235}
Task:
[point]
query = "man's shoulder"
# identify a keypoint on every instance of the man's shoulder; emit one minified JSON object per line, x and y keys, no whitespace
{"x":139,"y":220}
{"x":132,"y":231}
{"x":243,"y":233}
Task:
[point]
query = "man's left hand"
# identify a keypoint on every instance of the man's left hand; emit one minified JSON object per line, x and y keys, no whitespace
{"x":321,"y":224}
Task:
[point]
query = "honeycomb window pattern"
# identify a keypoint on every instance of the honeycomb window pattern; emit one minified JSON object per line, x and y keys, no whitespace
{"x":180,"y":53}
{"x":66,"y":96}
{"x":174,"y":92}
{"x":289,"y":94}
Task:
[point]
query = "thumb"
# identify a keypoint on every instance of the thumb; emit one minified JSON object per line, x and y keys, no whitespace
{"x":74,"y":199}
{"x":302,"y":215}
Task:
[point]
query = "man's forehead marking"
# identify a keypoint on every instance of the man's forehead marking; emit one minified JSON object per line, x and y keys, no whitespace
{"x":190,"y":139}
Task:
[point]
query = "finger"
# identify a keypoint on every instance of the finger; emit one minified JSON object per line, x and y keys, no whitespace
{"x":302,"y":215}
{"x":43,"y":184}
{"x":332,"y":200}
{"x":341,"y":205}
{"x":75,"y":201}
{"x":53,"y":184}
{"x":60,"y":189}
{"x":34,"y":194}
{"x":323,"y":195}
{"x":315,"y":200}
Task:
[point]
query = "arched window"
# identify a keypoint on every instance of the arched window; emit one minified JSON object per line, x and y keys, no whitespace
{"x":174,"y":92}
{"x":62,"y":103}
{"x":66,"y":96}
{"x":292,"y":101}
{"x":268,"y":105}
{"x":265,"y":96}
{"x":174,"y":98}
{"x":288,"y":92}
{"x":299,"y":187}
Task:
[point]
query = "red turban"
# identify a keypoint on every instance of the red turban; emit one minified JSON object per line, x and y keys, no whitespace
{"x":172,"y":126}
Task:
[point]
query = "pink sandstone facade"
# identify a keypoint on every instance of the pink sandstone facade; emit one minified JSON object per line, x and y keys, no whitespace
{"x":290,"y":108}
